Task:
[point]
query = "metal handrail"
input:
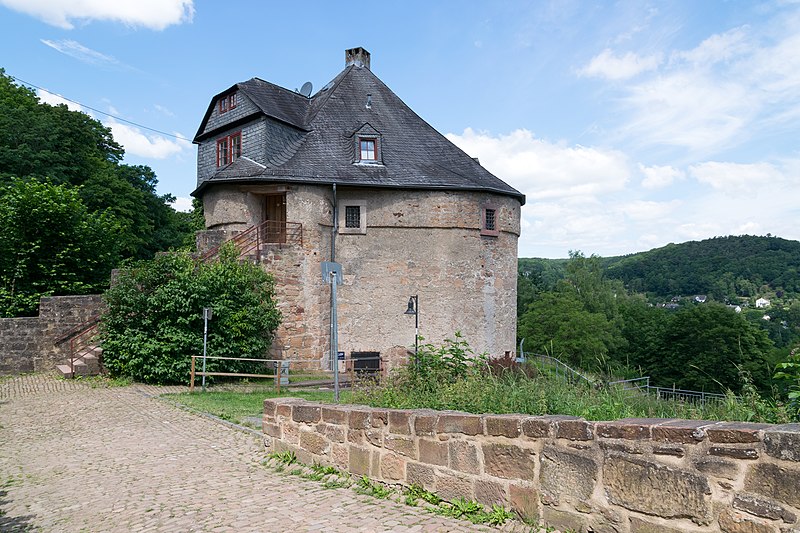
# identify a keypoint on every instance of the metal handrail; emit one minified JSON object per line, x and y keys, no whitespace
{"x":561,"y":367}
{"x":268,"y":232}
{"x":80,"y":328}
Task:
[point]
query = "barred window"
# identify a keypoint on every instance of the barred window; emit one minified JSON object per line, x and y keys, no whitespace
{"x":352,"y":216}
{"x":489,"y":224}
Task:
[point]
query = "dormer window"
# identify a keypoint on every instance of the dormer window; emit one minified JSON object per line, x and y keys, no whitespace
{"x":229,"y":148}
{"x":368,"y":149}
{"x":226,"y":103}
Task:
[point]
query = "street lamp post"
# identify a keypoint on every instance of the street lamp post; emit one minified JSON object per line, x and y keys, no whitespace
{"x":413,"y":309}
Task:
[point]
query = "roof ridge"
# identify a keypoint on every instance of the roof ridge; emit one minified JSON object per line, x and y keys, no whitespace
{"x":274,"y":85}
{"x":313,"y":111}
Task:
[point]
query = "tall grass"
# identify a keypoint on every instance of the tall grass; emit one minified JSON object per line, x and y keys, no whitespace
{"x":481,"y":387}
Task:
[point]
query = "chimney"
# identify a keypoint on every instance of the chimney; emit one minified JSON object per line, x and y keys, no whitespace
{"x":356,"y":56}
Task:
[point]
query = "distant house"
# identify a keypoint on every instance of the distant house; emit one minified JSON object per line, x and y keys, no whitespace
{"x":762,"y":303}
{"x":351,"y":174}
{"x":735,"y":308}
{"x":701,"y":298}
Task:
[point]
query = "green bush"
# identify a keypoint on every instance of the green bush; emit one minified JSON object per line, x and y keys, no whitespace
{"x":154,"y":320}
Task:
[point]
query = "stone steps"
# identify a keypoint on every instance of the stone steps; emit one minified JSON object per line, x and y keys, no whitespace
{"x":87,"y":364}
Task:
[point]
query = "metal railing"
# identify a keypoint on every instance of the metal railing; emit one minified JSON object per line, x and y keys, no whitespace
{"x":642,"y":385}
{"x":250,"y":240}
{"x":81,"y":340}
{"x":635,"y":385}
{"x":556,"y":366}
{"x":297,"y":372}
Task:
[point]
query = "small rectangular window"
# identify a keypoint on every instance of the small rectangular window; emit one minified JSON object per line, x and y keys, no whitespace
{"x":368,"y":150}
{"x":352,"y":216}
{"x":226,"y":103}
{"x":489,"y":225}
{"x":490,"y":222}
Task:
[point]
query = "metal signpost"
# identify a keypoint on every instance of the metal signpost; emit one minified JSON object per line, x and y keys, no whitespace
{"x":332,"y":273}
{"x":207,"y":313}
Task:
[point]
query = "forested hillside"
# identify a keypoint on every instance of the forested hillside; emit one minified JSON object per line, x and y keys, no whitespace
{"x":70,"y":210}
{"x":723,"y":267}
{"x":593,"y":313}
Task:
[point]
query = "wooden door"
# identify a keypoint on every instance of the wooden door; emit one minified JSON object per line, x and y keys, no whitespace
{"x":275,"y":217}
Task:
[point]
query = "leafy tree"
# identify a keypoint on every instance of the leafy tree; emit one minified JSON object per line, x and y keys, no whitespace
{"x":558,"y":324}
{"x":643,"y":328}
{"x":50,"y":244}
{"x":71,"y":148}
{"x":704,"y":347}
{"x":788,"y":372}
{"x":154,"y":320}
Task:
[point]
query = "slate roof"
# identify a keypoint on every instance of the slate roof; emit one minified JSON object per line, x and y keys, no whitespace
{"x":413,"y":154}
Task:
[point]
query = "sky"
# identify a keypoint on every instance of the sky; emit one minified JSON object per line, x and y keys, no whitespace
{"x":628,"y":125}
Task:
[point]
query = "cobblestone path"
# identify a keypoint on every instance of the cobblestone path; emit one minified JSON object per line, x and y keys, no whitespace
{"x":77,"y":458}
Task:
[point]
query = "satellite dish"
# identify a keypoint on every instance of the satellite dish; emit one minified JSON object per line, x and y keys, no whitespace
{"x":306,"y":89}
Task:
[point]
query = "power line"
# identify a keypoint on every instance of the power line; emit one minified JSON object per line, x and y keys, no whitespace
{"x":102,"y":112}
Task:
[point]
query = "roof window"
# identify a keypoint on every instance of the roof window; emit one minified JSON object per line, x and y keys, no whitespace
{"x":226,"y":103}
{"x":367,"y":149}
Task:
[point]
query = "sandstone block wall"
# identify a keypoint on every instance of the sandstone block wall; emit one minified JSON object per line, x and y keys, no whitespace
{"x":627,"y":476}
{"x":27,"y":344}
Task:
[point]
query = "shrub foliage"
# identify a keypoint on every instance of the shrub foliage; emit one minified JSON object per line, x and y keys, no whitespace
{"x":154,"y":321}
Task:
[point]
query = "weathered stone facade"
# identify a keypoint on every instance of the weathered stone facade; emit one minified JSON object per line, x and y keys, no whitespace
{"x":628,"y":476}
{"x":425,"y":219}
{"x":27,"y":344}
{"x":415,"y":242}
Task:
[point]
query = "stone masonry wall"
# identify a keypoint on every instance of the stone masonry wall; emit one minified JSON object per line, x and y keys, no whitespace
{"x":425,"y":243}
{"x":627,"y":476}
{"x":27,"y":344}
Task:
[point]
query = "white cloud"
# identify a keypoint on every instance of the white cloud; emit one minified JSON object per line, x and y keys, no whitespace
{"x":689,"y":110}
{"x":732,"y":87}
{"x":569,"y":189}
{"x":719,"y":47}
{"x":541,"y":169}
{"x":163,"y":110}
{"x":140,"y":144}
{"x":54,"y":99}
{"x":151,"y":14}
{"x":643,"y":210}
{"x":737,"y":178}
{"x":657,"y":177}
{"x":612,"y":67}
{"x":77,"y":51}
{"x":182,"y":204}
{"x":586,"y":198}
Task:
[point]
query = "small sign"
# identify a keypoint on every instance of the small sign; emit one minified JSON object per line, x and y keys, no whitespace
{"x":340,"y":356}
{"x":332,"y":266}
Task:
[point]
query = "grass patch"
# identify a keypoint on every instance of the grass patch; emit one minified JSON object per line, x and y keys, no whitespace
{"x":450,"y":377}
{"x":103,"y":382}
{"x":238,"y":406}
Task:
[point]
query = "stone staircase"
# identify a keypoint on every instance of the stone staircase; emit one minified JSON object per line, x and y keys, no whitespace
{"x":83,"y":351}
{"x":86,"y":364}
